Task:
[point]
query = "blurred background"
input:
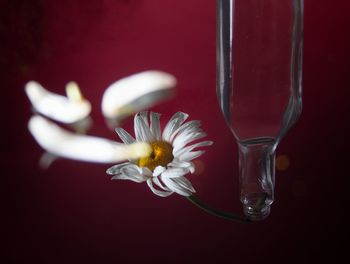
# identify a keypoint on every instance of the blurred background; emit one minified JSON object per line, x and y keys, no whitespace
{"x":73,"y":213}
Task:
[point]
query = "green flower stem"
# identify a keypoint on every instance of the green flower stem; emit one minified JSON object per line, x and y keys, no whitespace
{"x":210,"y":210}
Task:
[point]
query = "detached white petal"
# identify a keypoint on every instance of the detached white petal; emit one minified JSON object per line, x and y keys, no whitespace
{"x":68,"y":109}
{"x":136,"y":92}
{"x":66,"y":144}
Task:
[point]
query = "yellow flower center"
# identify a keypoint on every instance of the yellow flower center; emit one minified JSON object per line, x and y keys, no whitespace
{"x":161,"y":155}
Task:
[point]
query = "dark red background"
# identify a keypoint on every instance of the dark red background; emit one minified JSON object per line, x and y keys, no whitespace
{"x":73,"y":213}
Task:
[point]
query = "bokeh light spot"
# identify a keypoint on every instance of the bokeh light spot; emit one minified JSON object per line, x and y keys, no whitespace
{"x":282,"y":163}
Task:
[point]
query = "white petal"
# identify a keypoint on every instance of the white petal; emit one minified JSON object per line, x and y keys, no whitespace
{"x":134,"y":178}
{"x":158,"y":171}
{"x":188,"y":156}
{"x":133,"y":173}
{"x":116,"y":168}
{"x":179,"y":152}
{"x":137,"y":92}
{"x":55,"y":106}
{"x":146,"y":171}
{"x":144,"y":116}
{"x":174,"y":186}
{"x":160,"y":184}
{"x":124,"y":136}
{"x":142,"y":131}
{"x":185,"y":139}
{"x":131,"y":169}
{"x":185,"y":183}
{"x":137,"y":129}
{"x":63,"y":143}
{"x":145,"y":127}
{"x":191,"y":126}
{"x":174,"y":123}
{"x":157,"y":192}
{"x":155,"y":125}
{"x":183,"y":164}
{"x":174,"y":172}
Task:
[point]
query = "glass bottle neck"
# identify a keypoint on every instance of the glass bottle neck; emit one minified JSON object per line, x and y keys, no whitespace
{"x":257,"y":176}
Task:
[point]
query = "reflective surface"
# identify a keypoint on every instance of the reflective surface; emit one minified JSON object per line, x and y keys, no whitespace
{"x":259,"y":50}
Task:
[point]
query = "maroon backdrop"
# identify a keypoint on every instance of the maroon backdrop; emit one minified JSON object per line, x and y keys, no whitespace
{"x":74,"y":213}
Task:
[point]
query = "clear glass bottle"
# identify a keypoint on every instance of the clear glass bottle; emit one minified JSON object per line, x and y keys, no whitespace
{"x":259,"y":73}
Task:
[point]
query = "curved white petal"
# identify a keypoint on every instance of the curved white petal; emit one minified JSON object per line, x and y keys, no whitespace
{"x":191,"y":126}
{"x":183,"y":164}
{"x":116,"y":168}
{"x":63,"y":143}
{"x":188,"y":156}
{"x":144,"y":116}
{"x":158,"y":192}
{"x":174,"y":123}
{"x":157,"y":182}
{"x":174,"y":186}
{"x":158,"y":171}
{"x":57,"y":107}
{"x":124,"y":136}
{"x":184,"y":183}
{"x":146,"y":172}
{"x":174,"y":172}
{"x":145,"y":127}
{"x":134,"y":178}
{"x":185,"y":139}
{"x":131,"y":169}
{"x":136,"y":92}
{"x":133,"y":173}
{"x":142,"y":131}
{"x":155,"y":125}
{"x":180,"y":152}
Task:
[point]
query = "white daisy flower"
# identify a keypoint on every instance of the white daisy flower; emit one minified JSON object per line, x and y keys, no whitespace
{"x":164,"y":169}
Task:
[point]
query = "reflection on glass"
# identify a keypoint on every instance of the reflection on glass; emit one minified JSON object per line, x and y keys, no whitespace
{"x":64,"y":109}
{"x":135,"y":93}
{"x":259,"y":56}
